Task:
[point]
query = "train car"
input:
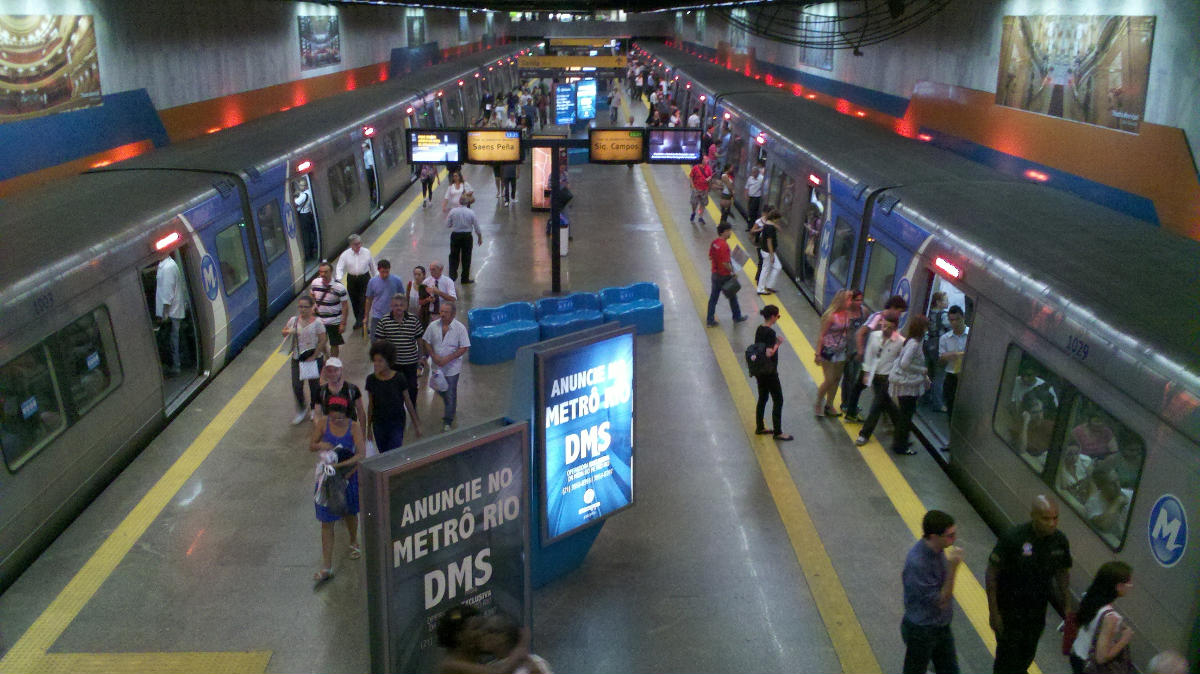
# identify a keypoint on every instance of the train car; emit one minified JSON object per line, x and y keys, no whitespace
{"x":91,"y":364}
{"x":1081,"y":377}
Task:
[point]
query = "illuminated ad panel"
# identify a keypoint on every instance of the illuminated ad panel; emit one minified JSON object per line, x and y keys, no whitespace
{"x":564,"y":104}
{"x":585,"y":432}
{"x":673,"y":146}
{"x":616,"y":146}
{"x":585,"y":97}
{"x":434,"y":146}
{"x":492,"y":146}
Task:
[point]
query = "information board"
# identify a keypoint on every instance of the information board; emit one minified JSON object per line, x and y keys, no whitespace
{"x":616,"y":146}
{"x":447,"y":523}
{"x":585,"y":98}
{"x":493,"y":146}
{"x":564,"y":104}
{"x":673,"y":146}
{"x":435,"y":146}
{"x":584,"y":432}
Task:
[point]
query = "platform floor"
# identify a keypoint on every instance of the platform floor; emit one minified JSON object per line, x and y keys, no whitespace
{"x":739,"y":555}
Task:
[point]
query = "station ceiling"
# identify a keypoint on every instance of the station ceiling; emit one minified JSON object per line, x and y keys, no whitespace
{"x":550,"y":5}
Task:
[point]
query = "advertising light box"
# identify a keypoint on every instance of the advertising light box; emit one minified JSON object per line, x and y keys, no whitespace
{"x":584,"y":432}
{"x":493,"y":146}
{"x":585,"y":97}
{"x":616,"y":146}
{"x":564,"y":104}
{"x":434,"y":146}
{"x":673,"y":146}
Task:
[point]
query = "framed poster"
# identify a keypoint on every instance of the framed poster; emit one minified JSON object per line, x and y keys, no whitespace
{"x":48,"y":64}
{"x":320,"y":42}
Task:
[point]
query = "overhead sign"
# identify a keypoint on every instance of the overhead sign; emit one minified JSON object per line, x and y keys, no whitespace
{"x":616,"y":146}
{"x":585,"y":97}
{"x":673,"y":146}
{"x":582,"y":42}
{"x":493,"y":146}
{"x":439,"y":146}
{"x":584,"y":432}
{"x":447,"y":523}
{"x":564,"y":104}
{"x":569,"y":62}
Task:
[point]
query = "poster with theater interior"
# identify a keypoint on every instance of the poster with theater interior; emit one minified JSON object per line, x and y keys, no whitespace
{"x":1092,"y":69}
{"x":48,"y":64}
{"x":320,"y":42}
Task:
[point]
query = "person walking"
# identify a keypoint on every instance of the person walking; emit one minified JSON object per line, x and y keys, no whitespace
{"x":928,"y":580}
{"x":831,"y":351}
{"x":768,"y":251}
{"x":508,"y":176}
{"x":355,"y":267}
{"x":614,"y":106}
{"x":331,"y":305}
{"x":722,"y":274}
{"x":768,"y":382}
{"x":308,"y":346}
{"x":379,"y":295}
{"x":908,"y":381}
{"x":461,"y":222}
{"x":334,"y":385}
{"x":446,"y":341}
{"x":419,"y":298}
{"x":339,"y":442}
{"x":728,"y":176}
{"x":440,"y":287}
{"x":429,"y":174}
{"x":701,"y":177}
{"x":1029,"y":567}
{"x":1102,"y":644}
{"x":455,"y":190}
{"x":387,"y":400}
{"x":403,"y":331}
{"x":883,"y":349}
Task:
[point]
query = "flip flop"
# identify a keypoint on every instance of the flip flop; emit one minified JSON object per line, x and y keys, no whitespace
{"x":355,"y":552}
{"x":783,"y":437}
{"x":322,"y":575}
{"x":764,"y":431}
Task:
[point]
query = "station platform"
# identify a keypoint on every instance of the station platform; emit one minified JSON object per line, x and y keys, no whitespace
{"x":740,"y":554}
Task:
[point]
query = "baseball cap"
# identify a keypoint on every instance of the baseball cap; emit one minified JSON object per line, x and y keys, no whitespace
{"x":333,"y":362}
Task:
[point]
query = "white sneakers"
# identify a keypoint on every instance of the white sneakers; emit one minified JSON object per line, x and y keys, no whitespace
{"x":299,"y":418}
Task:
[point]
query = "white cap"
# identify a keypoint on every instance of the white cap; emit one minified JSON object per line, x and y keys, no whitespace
{"x":333,"y":362}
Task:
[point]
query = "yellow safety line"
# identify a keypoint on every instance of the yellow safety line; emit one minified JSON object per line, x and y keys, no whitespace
{"x":30,"y":653}
{"x":845,"y":632}
{"x":971,"y":596}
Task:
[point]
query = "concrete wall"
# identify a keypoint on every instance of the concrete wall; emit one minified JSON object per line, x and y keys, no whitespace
{"x":183,"y":51}
{"x":961,"y":46}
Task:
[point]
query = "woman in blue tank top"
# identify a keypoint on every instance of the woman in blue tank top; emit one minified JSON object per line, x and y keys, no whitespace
{"x":342,"y":436}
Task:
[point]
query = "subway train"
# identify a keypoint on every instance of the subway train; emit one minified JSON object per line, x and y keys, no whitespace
{"x":88,"y":373}
{"x":1081,"y":377}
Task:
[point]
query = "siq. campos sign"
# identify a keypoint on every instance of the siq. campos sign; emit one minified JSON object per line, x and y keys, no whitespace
{"x":616,"y":146}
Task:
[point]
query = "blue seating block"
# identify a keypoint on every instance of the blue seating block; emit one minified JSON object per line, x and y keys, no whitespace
{"x":562,"y":315}
{"x":637,"y":305}
{"x":497,"y":332}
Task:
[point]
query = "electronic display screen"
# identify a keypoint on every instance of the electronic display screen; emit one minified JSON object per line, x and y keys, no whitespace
{"x":673,"y":146}
{"x":564,"y":104}
{"x":434,"y":146}
{"x":616,"y":146}
{"x":585,"y":97}
{"x":493,"y":146}
{"x":585,"y":432}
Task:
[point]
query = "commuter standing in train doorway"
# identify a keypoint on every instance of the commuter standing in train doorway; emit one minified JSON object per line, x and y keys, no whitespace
{"x":1029,"y":567}
{"x":170,"y":304}
{"x":754,"y":190}
{"x":928,"y":580}
{"x":330,"y":297}
{"x":355,"y":267}
{"x":952,"y":346}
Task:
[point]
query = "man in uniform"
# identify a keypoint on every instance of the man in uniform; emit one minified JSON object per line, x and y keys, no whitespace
{"x":1030,"y":565}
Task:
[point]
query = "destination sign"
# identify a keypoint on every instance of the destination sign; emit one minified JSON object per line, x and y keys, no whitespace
{"x":493,"y":146}
{"x":616,"y":146}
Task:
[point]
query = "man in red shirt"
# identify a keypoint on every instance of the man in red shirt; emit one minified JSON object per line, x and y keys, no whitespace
{"x":722,"y":271}
{"x":701,"y":178}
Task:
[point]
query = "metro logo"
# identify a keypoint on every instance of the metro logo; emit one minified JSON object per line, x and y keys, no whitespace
{"x":1167,"y":530}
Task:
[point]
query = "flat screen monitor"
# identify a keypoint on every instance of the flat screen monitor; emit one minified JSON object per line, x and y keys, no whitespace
{"x":673,"y":146}
{"x":585,"y":97}
{"x":564,"y":104}
{"x":434,"y":146}
{"x":616,"y":146}
{"x":494,"y":146}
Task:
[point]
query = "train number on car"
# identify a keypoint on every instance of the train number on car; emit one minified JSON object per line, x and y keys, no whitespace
{"x":1077,"y":347}
{"x":43,"y":303}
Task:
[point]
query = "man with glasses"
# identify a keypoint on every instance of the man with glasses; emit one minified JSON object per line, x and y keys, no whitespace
{"x":951,"y":348}
{"x":928,"y":580}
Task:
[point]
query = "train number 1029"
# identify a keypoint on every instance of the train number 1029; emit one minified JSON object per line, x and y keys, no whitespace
{"x":1077,"y":347}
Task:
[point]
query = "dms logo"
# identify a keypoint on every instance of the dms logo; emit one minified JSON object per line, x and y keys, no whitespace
{"x":1168,"y":530}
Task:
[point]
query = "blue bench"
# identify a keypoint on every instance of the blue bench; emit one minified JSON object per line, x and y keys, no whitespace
{"x":562,"y":315}
{"x":497,"y":332}
{"x":637,"y":305}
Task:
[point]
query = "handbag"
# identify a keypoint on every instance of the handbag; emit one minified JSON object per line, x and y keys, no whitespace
{"x":309,"y":370}
{"x":1122,"y":663}
{"x":331,"y":493}
{"x":731,"y":286}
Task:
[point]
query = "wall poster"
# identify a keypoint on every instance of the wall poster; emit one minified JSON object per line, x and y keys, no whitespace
{"x":320,"y":42}
{"x":1092,"y":69}
{"x":48,"y":64}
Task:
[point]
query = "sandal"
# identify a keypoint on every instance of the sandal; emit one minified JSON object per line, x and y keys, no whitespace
{"x":830,"y":411}
{"x":322,"y":575}
{"x":783,"y":437}
{"x":764,"y":431}
{"x":355,"y":552}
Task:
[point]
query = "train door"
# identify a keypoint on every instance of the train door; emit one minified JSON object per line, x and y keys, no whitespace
{"x":950,"y":304}
{"x":461,"y":111}
{"x":166,"y":286}
{"x":812,"y":219}
{"x":273,"y":242}
{"x":368,"y":160}
{"x":306,"y":221}
{"x":439,"y":118}
{"x":839,"y":239}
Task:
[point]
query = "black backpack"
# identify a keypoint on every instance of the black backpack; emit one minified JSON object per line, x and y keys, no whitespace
{"x":757,"y":361}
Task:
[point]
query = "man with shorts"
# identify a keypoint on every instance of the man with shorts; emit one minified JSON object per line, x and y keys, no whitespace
{"x":332,"y":305}
{"x":701,"y":176}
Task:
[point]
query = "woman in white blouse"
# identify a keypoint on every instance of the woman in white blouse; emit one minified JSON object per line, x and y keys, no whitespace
{"x":454,"y":191}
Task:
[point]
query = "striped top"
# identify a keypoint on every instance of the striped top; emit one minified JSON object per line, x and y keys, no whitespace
{"x":403,"y":335}
{"x":328,"y":298}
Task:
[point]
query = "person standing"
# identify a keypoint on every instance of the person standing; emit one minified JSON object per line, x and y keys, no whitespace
{"x":461,"y":222}
{"x":701,"y":177}
{"x":302,"y":200}
{"x":403,"y":330}
{"x":508,"y":176}
{"x":1104,"y":635}
{"x":908,"y":381}
{"x":853,"y":383}
{"x":379,"y":295}
{"x":728,"y":176}
{"x":339,"y":440}
{"x":429,"y":173}
{"x":768,"y":250}
{"x":831,"y":351}
{"x":938,"y":326}
{"x":387,"y":401}
{"x":883,"y":348}
{"x":722,"y":272}
{"x":440,"y":287}
{"x":894,"y":308}
{"x":693,"y":120}
{"x":754,"y":192}
{"x":614,"y":106}
{"x":768,"y":383}
{"x":928,"y":580}
{"x":355,"y":267}
{"x":331,"y":305}
{"x":951,"y":348}
{"x":446,"y":341}
{"x":308,"y":346}
{"x":1029,"y":567}
{"x":170,"y":304}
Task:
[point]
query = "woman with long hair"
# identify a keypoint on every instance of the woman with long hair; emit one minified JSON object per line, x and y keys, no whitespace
{"x":831,"y":351}
{"x":308,"y":346}
{"x":769,"y":384}
{"x":454,"y":191}
{"x":909,"y":380}
{"x":1103,"y":639}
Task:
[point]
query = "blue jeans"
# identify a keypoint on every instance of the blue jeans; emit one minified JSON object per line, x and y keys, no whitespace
{"x":715,"y":294}
{"x":925,"y":643}
{"x":450,"y":398}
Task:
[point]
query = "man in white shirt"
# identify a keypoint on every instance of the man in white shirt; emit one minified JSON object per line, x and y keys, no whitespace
{"x":170,"y":304}
{"x":355,"y":267}
{"x":441,"y":287}
{"x":951,"y":348}
{"x":368,"y":157}
{"x":693,"y":120}
{"x":754,"y":191}
{"x":883,"y":348}
{"x":446,"y":341}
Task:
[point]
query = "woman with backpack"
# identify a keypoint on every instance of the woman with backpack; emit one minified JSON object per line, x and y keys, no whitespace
{"x":766,"y":351}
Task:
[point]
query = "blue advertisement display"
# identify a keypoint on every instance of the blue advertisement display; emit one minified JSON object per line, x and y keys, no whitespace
{"x":586,"y":425}
{"x":585,"y":95}
{"x":564,"y":104}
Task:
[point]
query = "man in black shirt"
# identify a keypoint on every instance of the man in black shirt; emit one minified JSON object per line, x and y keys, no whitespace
{"x":1030,"y":566}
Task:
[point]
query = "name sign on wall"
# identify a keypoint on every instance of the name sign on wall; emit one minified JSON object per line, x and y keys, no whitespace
{"x":616,"y":146}
{"x":491,"y":146}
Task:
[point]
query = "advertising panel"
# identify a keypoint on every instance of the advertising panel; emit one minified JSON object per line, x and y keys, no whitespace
{"x":540,"y":178}
{"x":564,"y":104}
{"x":673,"y":146}
{"x":320,"y":42}
{"x":438,"y":146}
{"x":447,"y":525}
{"x":616,"y":146}
{"x":585,"y":432}
{"x":493,"y":146}
{"x":48,"y":64}
{"x":585,"y":97}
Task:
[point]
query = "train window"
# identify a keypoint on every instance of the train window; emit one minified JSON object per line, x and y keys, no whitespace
{"x":391,"y":148}
{"x":343,"y":182}
{"x":31,"y":411}
{"x":881,"y":276}
{"x":843,"y":248}
{"x":232,"y":257}
{"x":273,"y":236}
{"x":1027,"y":407}
{"x":86,"y":356}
